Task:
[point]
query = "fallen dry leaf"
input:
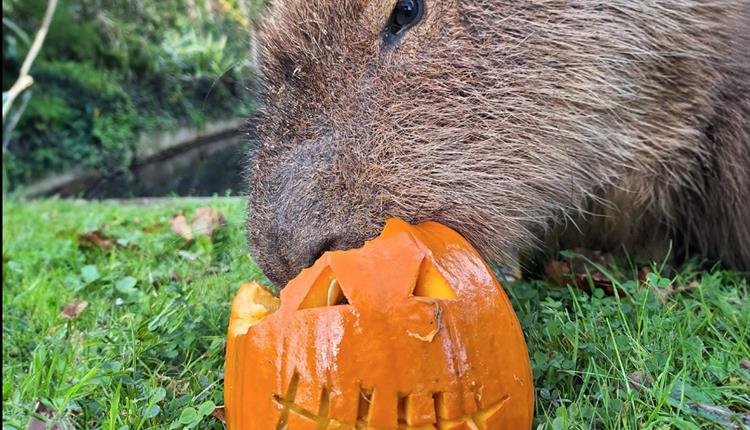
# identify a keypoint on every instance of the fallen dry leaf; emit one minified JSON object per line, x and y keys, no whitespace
{"x":73,"y":309}
{"x":664,"y":293}
{"x":96,"y":239}
{"x":153,"y":227}
{"x":41,"y":418}
{"x":557,"y":272}
{"x":577,"y":271}
{"x":639,"y":380}
{"x":180,"y":226}
{"x":219,"y":414}
{"x":52,"y":330}
{"x":203,"y":222}
{"x":643,"y":275}
{"x":745,"y":364}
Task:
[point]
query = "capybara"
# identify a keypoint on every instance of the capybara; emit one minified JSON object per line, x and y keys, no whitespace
{"x":621,"y":124}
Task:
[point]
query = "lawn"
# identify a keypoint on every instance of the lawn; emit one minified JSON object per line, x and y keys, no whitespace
{"x":140,"y":344}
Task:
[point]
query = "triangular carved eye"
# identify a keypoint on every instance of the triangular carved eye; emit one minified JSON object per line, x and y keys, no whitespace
{"x":430,"y":283}
{"x":325,"y":291}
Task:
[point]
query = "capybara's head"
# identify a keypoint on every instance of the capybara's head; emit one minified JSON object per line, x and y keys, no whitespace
{"x":489,"y":116}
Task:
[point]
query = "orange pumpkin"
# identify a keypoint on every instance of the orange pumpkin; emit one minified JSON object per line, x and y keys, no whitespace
{"x":411,"y":331}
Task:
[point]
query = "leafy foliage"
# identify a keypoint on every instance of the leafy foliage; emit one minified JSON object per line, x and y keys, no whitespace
{"x":77,"y":111}
{"x":111,"y":68}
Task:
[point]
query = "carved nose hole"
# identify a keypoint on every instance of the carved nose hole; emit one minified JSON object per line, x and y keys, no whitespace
{"x":325,"y":291}
{"x":336,"y":294}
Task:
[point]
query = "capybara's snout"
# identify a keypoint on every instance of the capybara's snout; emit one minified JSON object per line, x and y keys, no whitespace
{"x":291,"y":219}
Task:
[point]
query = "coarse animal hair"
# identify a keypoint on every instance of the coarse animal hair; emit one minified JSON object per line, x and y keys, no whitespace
{"x":611,"y":124}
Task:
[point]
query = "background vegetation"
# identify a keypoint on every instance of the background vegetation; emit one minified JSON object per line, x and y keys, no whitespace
{"x":111,"y":68}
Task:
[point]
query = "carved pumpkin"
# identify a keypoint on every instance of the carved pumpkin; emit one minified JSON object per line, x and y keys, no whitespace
{"x":411,"y":331}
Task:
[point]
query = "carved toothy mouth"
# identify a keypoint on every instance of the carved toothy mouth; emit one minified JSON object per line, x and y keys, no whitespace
{"x":419,"y":411}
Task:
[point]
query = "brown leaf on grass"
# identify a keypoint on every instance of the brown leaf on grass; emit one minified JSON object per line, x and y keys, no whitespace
{"x":203,"y":222}
{"x":153,"y":228}
{"x":639,"y":380}
{"x":643,"y":275}
{"x":52,"y":330}
{"x":557,"y":272}
{"x":73,"y":309}
{"x":181,"y":227}
{"x":745,"y":364}
{"x":219,"y":414}
{"x":43,"y":414}
{"x":665,"y":293}
{"x":96,"y":239}
{"x":578,"y":270}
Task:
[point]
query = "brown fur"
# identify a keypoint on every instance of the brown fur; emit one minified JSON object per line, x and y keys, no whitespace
{"x":618,"y":123}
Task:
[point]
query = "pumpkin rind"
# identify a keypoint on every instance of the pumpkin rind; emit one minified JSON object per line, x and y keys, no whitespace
{"x":428,"y":340}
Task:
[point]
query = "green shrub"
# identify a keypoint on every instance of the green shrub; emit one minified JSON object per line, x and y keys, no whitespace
{"x":78,"y":116}
{"x":111,"y":68}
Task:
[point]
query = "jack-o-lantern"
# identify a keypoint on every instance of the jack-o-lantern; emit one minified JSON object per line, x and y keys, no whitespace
{"x":411,"y":331}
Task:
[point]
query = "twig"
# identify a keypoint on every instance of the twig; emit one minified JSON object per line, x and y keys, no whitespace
{"x":13,"y":119}
{"x":24,"y":79}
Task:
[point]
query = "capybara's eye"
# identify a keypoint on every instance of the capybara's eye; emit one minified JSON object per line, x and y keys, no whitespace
{"x":405,"y":14}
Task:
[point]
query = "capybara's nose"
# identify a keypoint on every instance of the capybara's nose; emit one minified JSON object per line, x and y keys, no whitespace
{"x":283,"y":253}
{"x":295,"y":212}
{"x":304,"y":256}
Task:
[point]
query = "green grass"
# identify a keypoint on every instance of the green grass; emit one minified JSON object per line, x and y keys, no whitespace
{"x":147,"y":352}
